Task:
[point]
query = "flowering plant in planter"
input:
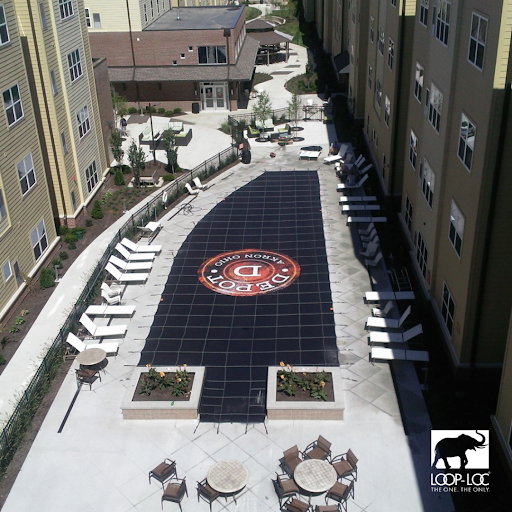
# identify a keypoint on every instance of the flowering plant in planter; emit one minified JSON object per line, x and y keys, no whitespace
{"x":177,"y":381}
{"x":288,"y":380}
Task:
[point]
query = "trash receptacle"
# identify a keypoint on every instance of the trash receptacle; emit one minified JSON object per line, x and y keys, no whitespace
{"x":246,"y":156}
{"x":195,"y":108}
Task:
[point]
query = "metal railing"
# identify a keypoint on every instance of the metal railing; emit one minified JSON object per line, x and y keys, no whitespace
{"x":29,"y":400}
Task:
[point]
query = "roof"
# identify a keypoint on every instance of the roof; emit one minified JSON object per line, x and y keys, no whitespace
{"x":242,"y":70}
{"x":198,"y":18}
{"x":341,"y":62}
{"x":270,"y":38}
{"x":258,"y":25}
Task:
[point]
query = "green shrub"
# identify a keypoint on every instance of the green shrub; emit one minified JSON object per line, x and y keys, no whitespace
{"x":88,"y":222}
{"x":161,"y":110}
{"x":132,"y":110}
{"x":46,"y":278}
{"x":169,"y":113}
{"x":97,"y":212}
{"x":224,"y":127}
{"x":177,"y":111}
{"x":63,"y":255}
{"x":2,"y":359}
{"x":56,"y":263}
{"x":168,"y":177}
{"x":71,"y":246}
{"x":118,"y":178}
{"x":63,"y":230}
{"x":122,"y":112}
{"x":70,"y":238}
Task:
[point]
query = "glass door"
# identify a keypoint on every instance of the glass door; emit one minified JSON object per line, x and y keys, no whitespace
{"x":219,"y":96}
{"x":213,"y":95}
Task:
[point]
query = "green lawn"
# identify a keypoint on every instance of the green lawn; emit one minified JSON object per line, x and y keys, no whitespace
{"x":251,"y":13}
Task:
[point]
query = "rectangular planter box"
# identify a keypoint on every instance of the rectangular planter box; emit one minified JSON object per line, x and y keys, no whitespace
{"x":314,"y":410}
{"x":182,"y":410}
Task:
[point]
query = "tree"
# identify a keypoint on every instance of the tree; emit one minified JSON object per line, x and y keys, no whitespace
{"x":137,"y":159}
{"x":263,"y":108}
{"x":97,"y":212}
{"x":171,"y":150}
{"x":118,"y":103}
{"x":115,"y":145}
{"x":294,"y":108}
{"x":118,"y":178}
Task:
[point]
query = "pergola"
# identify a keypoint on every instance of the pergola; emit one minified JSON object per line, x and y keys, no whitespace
{"x":270,"y":39}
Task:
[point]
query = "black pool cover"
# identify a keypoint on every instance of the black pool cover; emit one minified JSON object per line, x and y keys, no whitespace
{"x":254,"y":308}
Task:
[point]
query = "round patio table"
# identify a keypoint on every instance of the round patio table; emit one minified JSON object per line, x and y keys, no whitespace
{"x":315,"y":476}
{"x":228,"y":476}
{"x":91,"y":356}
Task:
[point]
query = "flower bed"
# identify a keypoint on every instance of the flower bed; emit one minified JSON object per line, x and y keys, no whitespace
{"x":311,"y":408}
{"x":160,"y":403}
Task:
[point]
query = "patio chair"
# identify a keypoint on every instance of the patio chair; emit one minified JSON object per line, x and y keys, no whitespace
{"x":367,"y":230}
{"x":366,"y":169}
{"x":206,"y":493}
{"x":394,"y":354}
{"x":136,"y":265}
{"x":111,"y":290}
{"x":133,"y":256}
{"x":115,"y":299}
{"x":328,"y":508}
{"x":375,"y":262}
{"x":360,"y":183}
{"x":290,"y":460}
{"x":385,"y":323}
{"x":110,"y":310}
{"x":357,"y":199}
{"x":371,"y":250}
{"x":345,"y":465}
{"x":140,"y":248}
{"x":295,"y":505}
{"x":285,"y":488}
{"x":319,"y":449}
{"x":110,"y":348}
{"x":398,"y":337}
{"x":125,"y":277}
{"x":164,"y":471}
{"x":190,"y":190}
{"x":100,"y":331}
{"x":199,"y":185}
{"x":375,"y":239}
{"x":383,"y":312}
{"x":175,"y":492}
{"x":341,"y":493}
{"x":360,"y":160}
{"x":87,"y":376}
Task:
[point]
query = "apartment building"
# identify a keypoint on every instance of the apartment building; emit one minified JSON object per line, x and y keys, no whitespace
{"x":27,"y":228}
{"x":189,"y":58}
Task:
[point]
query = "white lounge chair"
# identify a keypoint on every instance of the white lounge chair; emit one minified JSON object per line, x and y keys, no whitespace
{"x":395,"y":337}
{"x":373,"y":262}
{"x":198,"y":184}
{"x":365,"y":220}
{"x":190,"y":190}
{"x":370,"y":236}
{"x":100,"y":331}
{"x":342,"y":186}
{"x":366,"y":231}
{"x":374,"y":239}
{"x":383,"y":312}
{"x":332,"y":159}
{"x":136,"y":265}
{"x":387,"y":323}
{"x":393,"y":354}
{"x":309,"y":155}
{"x":111,"y":291}
{"x":110,"y":300}
{"x":366,"y":169}
{"x":110,"y":348}
{"x":140,"y":248}
{"x":134,"y":256}
{"x":110,"y":310}
{"x":371,"y":250}
{"x":357,"y":199}
{"x":360,"y":207}
{"x":380,"y":296}
{"x":360,"y":160}
{"x":124,"y":277}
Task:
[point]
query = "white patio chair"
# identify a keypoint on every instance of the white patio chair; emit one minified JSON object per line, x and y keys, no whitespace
{"x":395,"y":337}
{"x":383,"y":312}
{"x":124,"y":277}
{"x":360,"y":183}
{"x":140,"y":248}
{"x":366,"y":231}
{"x":371,"y":250}
{"x":111,"y":291}
{"x":110,"y":310}
{"x":110,"y":300}
{"x":190,"y":190}
{"x":387,"y":323}
{"x":136,"y":265}
{"x":394,"y":354}
{"x":199,"y":185}
{"x":111,"y":347}
{"x":374,"y":262}
{"x":99,"y":331}
{"x":133,"y":256}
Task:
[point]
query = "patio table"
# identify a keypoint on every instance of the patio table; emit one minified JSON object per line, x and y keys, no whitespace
{"x":91,"y":356}
{"x":228,"y":476}
{"x":315,"y":476}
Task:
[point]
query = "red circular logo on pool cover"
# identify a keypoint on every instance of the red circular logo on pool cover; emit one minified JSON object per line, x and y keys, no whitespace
{"x":248,"y":272}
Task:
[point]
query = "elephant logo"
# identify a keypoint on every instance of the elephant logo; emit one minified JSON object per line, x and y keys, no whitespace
{"x":448,"y":447}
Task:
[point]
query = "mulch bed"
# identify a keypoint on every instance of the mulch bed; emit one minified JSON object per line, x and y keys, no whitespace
{"x":304,"y":396}
{"x":161,"y":395}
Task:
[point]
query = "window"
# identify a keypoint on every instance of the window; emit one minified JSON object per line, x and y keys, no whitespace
{"x":212,"y":54}
{"x":64,"y":145}
{"x":448,"y":308}
{"x":7,"y":270}
{"x":26,"y":173}
{"x":378,"y":92}
{"x":421,"y":254}
{"x":182,"y":55}
{"x":87,"y":18}
{"x":418,"y":84}
{"x":66,"y":9}
{"x":380,"y":43}
{"x":383,"y":165}
{"x":372,"y":28}
{"x":174,"y":62}
{"x":13,"y":106}
{"x":39,"y":240}
{"x":97,"y":20}
{"x":387,"y":110}
{"x":413,"y":149}
{"x":3,"y":209}
{"x":477,"y":40}
{"x":435,"y":106}
{"x":456,"y":231}
{"x":466,"y":141}
{"x":391,"y":52}
{"x":408,"y":213}
{"x":428,"y":179}
{"x":443,"y":20}
{"x":369,"y":76}
{"x":393,"y":3}
{"x":424,"y":12}
{"x":145,"y":13}
{"x":55,"y":89}
{"x":73,"y":200}
{"x":91,"y":176}
{"x":82,"y":118}
{"x":43,"y":15}
{"x":352,"y":8}
{"x":4,"y":32}
{"x":152,"y":9}
{"x":158,"y":6}
{"x":74,"y":64}
{"x":190,"y":48}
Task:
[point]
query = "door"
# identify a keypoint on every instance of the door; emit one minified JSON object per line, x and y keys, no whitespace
{"x":213,"y":96}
